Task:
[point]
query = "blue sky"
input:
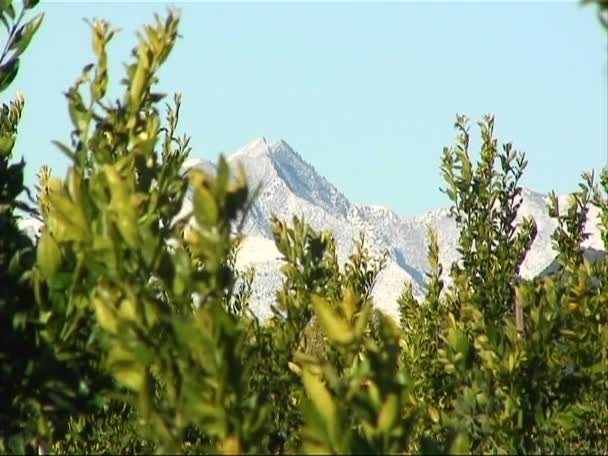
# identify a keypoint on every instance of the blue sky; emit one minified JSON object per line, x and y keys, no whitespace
{"x":367,"y":93}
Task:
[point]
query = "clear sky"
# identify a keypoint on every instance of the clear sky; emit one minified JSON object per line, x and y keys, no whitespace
{"x":367,"y":93}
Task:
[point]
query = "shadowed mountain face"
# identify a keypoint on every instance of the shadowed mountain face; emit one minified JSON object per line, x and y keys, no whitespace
{"x":590,"y":254}
{"x":290,"y":186}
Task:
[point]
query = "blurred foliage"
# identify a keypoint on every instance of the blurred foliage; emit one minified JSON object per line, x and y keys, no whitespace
{"x":602,"y":10}
{"x":127,"y":327}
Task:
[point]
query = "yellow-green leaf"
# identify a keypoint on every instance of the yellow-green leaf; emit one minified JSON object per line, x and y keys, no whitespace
{"x":66,"y":220}
{"x":294,"y":367}
{"x":434,"y":414}
{"x":460,"y":444}
{"x":48,"y":255}
{"x":321,"y":398}
{"x":24,"y":35}
{"x":334,"y":326}
{"x":139,"y":78}
{"x":350,"y":304}
{"x":132,"y":376}
{"x":74,"y":181}
{"x":128,"y":309}
{"x":389,"y":413}
{"x":106,"y":315}
{"x":206,"y":211}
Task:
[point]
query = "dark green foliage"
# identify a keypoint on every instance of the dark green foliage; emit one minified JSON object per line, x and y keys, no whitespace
{"x":34,"y":381}
{"x":602,"y":10}
{"x":570,"y":233}
{"x":511,"y":386}
{"x":20,"y":33}
{"x":115,"y":430}
{"x":485,"y":203}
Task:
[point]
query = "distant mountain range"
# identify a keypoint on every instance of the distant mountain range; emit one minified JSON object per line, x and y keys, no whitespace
{"x":291,"y":186}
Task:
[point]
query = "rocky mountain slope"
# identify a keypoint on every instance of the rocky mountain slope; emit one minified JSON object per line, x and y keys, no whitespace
{"x":291,"y":186}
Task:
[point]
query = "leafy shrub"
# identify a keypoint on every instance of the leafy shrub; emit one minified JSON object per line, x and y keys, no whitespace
{"x":126,"y":326}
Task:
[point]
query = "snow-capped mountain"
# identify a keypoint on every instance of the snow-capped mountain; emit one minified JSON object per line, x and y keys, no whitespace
{"x":290,"y":186}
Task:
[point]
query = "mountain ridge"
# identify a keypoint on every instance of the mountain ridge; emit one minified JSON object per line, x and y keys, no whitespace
{"x":290,"y":186}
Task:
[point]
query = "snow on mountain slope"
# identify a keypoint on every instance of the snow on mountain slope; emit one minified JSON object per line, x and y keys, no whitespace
{"x":263,"y":255}
{"x":408,"y":236}
{"x":404,"y":238}
{"x":31,"y":226}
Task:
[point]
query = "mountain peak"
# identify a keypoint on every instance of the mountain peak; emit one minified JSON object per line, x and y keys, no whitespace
{"x":258,"y":147}
{"x":282,"y":145}
{"x":283,"y":172}
{"x":260,"y":142}
{"x":199,"y":163}
{"x":528,"y":193}
{"x":273,"y":152}
{"x":282,"y":151}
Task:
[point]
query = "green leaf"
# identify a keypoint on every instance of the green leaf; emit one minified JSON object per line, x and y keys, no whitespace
{"x":334,"y":326}
{"x":388,"y":414}
{"x":65,"y":150}
{"x":434,"y":414}
{"x":8,"y":72}
{"x":460,"y":445}
{"x":106,"y":315}
{"x":131,"y":375}
{"x":321,"y":398}
{"x":49,"y":256}
{"x":206,"y":210}
{"x":24,"y":35}
{"x":139,"y":78}
{"x":29,"y":4}
{"x":67,"y":221}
